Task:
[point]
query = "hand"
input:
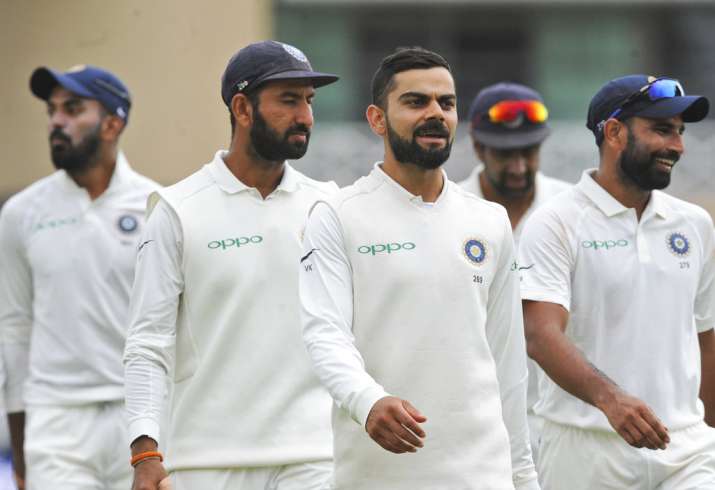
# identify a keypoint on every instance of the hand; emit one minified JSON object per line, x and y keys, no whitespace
{"x":19,"y":481}
{"x":150,"y":475}
{"x":635,"y":421}
{"x":395,"y":425}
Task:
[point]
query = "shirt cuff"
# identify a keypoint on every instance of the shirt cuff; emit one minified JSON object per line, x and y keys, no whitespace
{"x":144,"y":427}
{"x":365,"y":401}
{"x":546,"y":296}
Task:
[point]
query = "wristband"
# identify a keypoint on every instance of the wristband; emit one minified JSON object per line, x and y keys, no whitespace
{"x":138,"y":458}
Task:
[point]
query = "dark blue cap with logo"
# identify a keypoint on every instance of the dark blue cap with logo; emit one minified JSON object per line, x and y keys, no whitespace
{"x":86,"y":81}
{"x":520,"y":134}
{"x":267,"y":60}
{"x":613,"y":95}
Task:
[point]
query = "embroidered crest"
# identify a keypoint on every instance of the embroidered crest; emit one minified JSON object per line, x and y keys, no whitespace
{"x":678,"y":244}
{"x":127,"y":223}
{"x":475,"y":251}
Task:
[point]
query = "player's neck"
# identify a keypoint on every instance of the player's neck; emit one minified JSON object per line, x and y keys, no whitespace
{"x":628,"y":194}
{"x":516,"y":206}
{"x":253,"y":171}
{"x":96,"y":177}
{"x":426,"y":183}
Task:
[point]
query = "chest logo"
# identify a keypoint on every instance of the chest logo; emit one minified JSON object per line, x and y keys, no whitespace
{"x":475,"y":251}
{"x":128,"y":223}
{"x":678,"y":244}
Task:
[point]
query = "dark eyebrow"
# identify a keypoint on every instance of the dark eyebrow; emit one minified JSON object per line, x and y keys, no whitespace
{"x":413,"y":95}
{"x":447,"y":98}
{"x":670,"y":126}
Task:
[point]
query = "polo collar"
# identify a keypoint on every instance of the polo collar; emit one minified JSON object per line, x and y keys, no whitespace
{"x":379,"y":173}
{"x":228,"y":182}
{"x":608,"y":204}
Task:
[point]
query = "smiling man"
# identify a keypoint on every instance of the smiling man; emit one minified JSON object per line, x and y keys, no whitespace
{"x":619,"y":300}
{"x":215,"y":301}
{"x":67,"y":254}
{"x":411,"y":310}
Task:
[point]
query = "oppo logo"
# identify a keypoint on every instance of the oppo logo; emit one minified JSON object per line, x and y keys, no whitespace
{"x":385,"y":248}
{"x":235,"y":242}
{"x":606,"y":244}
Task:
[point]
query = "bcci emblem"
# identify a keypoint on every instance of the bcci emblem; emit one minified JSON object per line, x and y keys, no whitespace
{"x":678,"y":244}
{"x":127,"y":223}
{"x":475,"y":251}
{"x":295,"y":52}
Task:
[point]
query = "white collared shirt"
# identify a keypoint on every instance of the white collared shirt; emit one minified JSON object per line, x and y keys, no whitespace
{"x":215,"y":308}
{"x":421,"y":302}
{"x":637,"y":292}
{"x":545,"y":188}
{"x":66,"y":271}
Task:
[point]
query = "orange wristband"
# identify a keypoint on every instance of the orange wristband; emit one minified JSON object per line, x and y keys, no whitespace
{"x":138,"y":458}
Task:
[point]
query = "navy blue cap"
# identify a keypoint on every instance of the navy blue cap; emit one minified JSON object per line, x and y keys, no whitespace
{"x":517,"y":134}
{"x":267,"y":60}
{"x":692,"y":108}
{"x":86,"y":81}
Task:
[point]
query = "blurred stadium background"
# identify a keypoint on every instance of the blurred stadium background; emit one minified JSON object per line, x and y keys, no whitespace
{"x":171,"y":55}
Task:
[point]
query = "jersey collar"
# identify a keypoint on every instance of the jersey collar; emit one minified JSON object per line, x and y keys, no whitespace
{"x":610,"y":206}
{"x":228,"y":182}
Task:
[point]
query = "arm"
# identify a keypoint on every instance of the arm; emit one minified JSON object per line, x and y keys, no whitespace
{"x":505,"y":334}
{"x":707,"y":383}
{"x":149,"y":351}
{"x":546,"y":289}
{"x":15,"y":327}
{"x":326,"y":298}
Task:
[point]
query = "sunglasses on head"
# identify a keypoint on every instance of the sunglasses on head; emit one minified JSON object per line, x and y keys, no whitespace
{"x":509,"y":110}
{"x":661,"y":88}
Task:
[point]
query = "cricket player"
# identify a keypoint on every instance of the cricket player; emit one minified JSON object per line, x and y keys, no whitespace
{"x":67,"y":253}
{"x":619,"y":298}
{"x":215,"y":301}
{"x":508,"y":125}
{"x":411,"y":309}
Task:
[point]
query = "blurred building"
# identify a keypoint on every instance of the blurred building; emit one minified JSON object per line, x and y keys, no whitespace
{"x":566,"y":49}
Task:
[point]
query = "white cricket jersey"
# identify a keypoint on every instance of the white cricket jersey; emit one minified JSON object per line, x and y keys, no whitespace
{"x":215,"y":303}
{"x":420,"y":302}
{"x":545,"y":188}
{"x":66,"y":272}
{"x":637,"y":292}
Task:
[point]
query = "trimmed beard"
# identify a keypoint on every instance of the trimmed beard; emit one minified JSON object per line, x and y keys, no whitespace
{"x":271,"y":146}
{"x":639,"y":166}
{"x":79,"y":158}
{"x":409,"y":151}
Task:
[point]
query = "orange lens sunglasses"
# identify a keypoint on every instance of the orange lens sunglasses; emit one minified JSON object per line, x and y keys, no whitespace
{"x":509,"y":110}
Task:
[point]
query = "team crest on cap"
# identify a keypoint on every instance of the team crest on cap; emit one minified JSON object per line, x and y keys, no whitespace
{"x":127,"y":223}
{"x":295,"y":52}
{"x":76,"y":68}
{"x":678,"y":244}
{"x":475,"y":251}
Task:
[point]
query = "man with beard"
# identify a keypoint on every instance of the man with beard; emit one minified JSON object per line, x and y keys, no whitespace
{"x":411,"y":309}
{"x":508,"y":126}
{"x":619,"y":300}
{"x":67,"y":253}
{"x":215,"y":301}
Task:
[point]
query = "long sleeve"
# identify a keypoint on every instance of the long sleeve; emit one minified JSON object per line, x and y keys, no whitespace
{"x":505,"y":334}
{"x":15,"y":307}
{"x":326,"y":298}
{"x":149,"y":352}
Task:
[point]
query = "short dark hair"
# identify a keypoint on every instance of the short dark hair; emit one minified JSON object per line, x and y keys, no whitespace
{"x":402,"y":59}
{"x":252,"y":97}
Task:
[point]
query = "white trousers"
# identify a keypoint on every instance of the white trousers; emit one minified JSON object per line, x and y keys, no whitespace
{"x":83,"y":447}
{"x":575,"y":459}
{"x":302,"y":476}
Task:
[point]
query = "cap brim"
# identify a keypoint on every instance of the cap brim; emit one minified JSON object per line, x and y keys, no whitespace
{"x":43,"y":80}
{"x":509,"y":140}
{"x":692,"y":108}
{"x":318,"y":79}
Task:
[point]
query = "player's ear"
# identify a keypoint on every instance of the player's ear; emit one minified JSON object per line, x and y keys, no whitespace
{"x":376,"y":119}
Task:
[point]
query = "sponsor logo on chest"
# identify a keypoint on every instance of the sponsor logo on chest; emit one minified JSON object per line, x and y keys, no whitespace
{"x":385,"y":248}
{"x":232,"y":243}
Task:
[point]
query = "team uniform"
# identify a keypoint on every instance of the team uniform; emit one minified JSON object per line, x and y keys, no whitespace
{"x":215,"y":305}
{"x":66,"y":272}
{"x":421,"y":301}
{"x":638,"y":293}
{"x":545,"y":188}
